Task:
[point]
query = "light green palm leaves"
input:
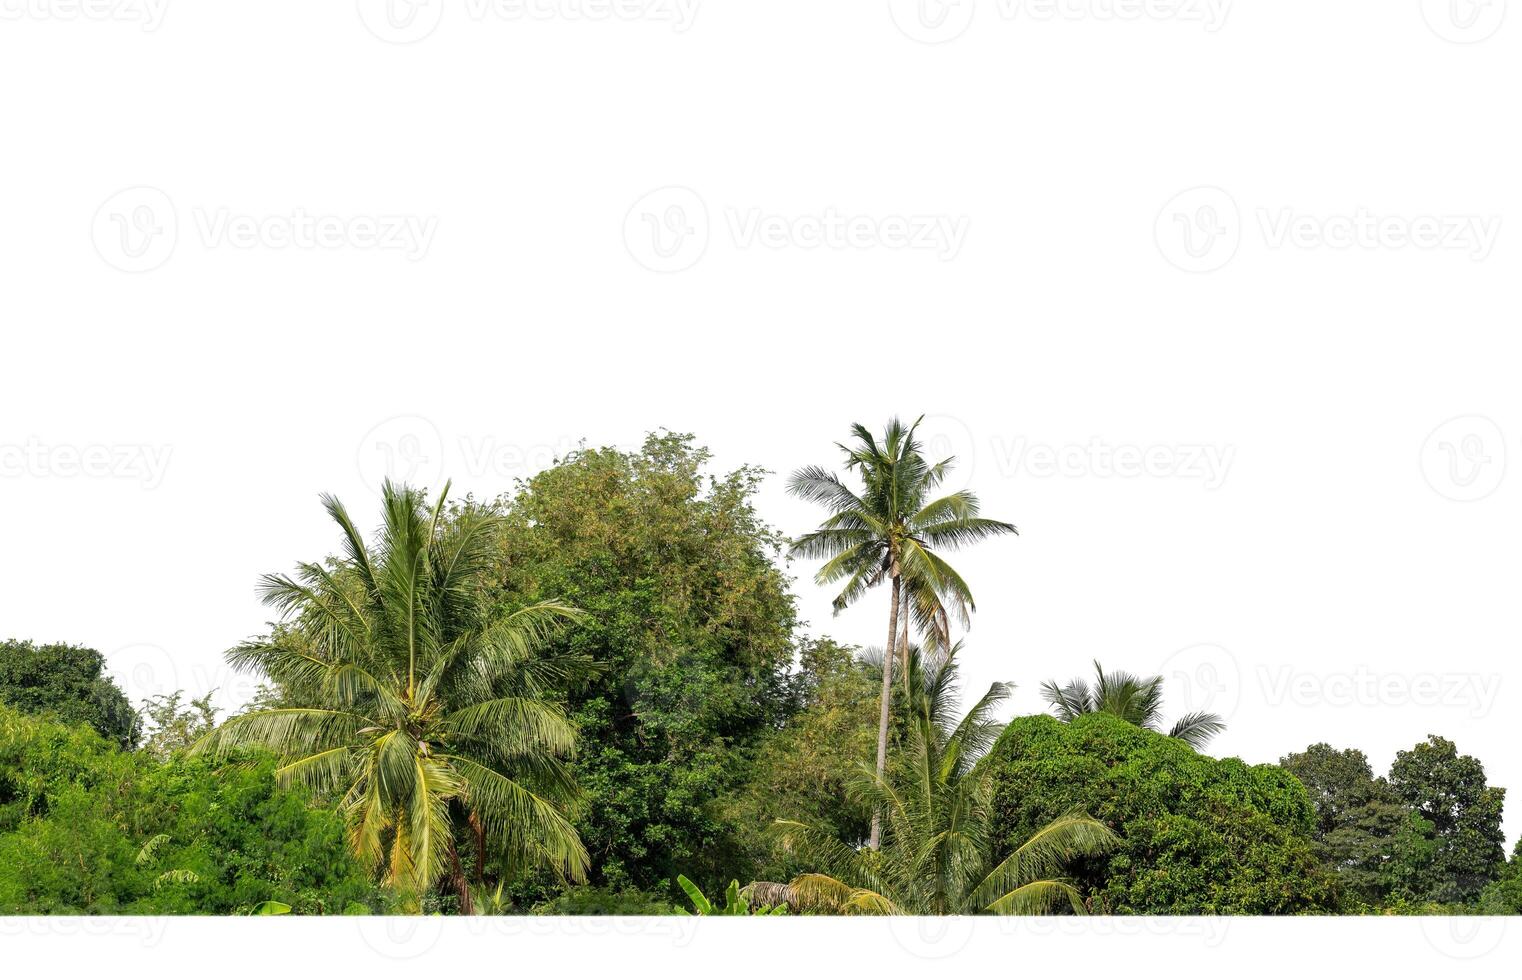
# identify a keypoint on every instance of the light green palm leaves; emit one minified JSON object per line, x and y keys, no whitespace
{"x":935,"y":854}
{"x":424,"y":704}
{"x":894,"y":526}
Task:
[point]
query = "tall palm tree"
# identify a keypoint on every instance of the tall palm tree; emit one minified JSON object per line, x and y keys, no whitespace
{"x":890,"y":531}
{"x":423,"y":708}
{"x":1138,"y":700}
{"x":938,"y":856}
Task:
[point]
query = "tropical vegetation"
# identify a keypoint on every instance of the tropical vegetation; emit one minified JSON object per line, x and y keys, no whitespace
{"x":594,"y":695}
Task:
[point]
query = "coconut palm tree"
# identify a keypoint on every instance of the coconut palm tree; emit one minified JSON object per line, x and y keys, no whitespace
{"x":890,"y":532}
{"x":424,"y":709}
{"x":1138,"y":700}
{"x":938,"y":856}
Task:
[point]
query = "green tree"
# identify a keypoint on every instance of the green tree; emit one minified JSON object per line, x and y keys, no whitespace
{"x":425,"y":708}
{"x":1358,"y":818}
{"x":891,"y":532}
{"x":1448,"y":792}
{"x":68,"y":683}
{"x":1138,"y":700}
{"x":175,"y":726}
{"x":804,"y":770}
{"x":692,"y":623}
{"x":1504,"y":895}
{"x":938,"y":854}
{"x":1200,"y":836}
{"x":87,"y":829}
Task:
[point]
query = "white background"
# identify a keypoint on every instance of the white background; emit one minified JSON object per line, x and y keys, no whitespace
{"x":1143,"y":238}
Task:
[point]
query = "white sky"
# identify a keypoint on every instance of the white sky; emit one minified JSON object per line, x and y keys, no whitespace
{"x":1326,"y":566}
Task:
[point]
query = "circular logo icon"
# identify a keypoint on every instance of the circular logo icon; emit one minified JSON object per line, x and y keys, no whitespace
{"x":1464,"y":21}
{"x":931,"y":937}
{"x":1205,"y":677}
{"x":401,"y":21}
{"x":667,"y":229}
{"x":1199,"y":230}
{"x":1464,"y":459}
{"x":407,"y":449}
{"x":135,"y":230}
{"x":931,"y":21}
{"x":401,"y":937}
{"x":944,"y":437}
{"x":143,"y":671}
{"x":1467,"y":937}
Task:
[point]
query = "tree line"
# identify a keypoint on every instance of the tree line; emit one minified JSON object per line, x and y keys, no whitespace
{"x":594,"y":695}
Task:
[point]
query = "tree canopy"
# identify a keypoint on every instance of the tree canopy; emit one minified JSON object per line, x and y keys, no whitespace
{"x":68,"y":683}
{"x":1199,"y":836}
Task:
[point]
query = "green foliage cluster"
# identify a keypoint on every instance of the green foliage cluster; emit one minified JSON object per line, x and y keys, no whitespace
{"x":1199,"y":836}
{"x":1504,"y":895}
{"x":938,"y":853}
{"x":68,"y":683}
{"x":1428,"y":835}
{"x":691,"y":624}
{"x":735,"y":901}
{"x":567,"y":700}
{"x":86,"y":828}
{"x":804,"y":770}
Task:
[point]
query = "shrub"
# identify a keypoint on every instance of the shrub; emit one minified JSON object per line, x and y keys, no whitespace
{"x":1200,"y":836}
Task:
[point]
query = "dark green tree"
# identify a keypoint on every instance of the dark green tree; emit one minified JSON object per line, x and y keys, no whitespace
{"x":1448,"y":792}
{"x":68,"y":683}
{"x":1358,"y":818}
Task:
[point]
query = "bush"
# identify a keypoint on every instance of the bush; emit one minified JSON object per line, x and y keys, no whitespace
{"x":88,"y":829}
{"x":1200,"y":836}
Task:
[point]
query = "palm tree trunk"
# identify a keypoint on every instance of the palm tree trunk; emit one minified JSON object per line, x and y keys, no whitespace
{"x":475,"y":825}
{"x":903,"y":636}
{"x":457,"y":877}
{"x":883,"y":709}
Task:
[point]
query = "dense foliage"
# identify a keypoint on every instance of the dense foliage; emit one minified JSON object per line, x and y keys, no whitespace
{"x":691,"y":624}
{"x":594,"y":696}
{"x":1429,"y":834}
{"x":67,"y":683}
{"x":1199,"y":836}
{"x":86,"y":828}
{"x":421,"y":709}
{"x":938,"y":854}
{"x":804,"y":771}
